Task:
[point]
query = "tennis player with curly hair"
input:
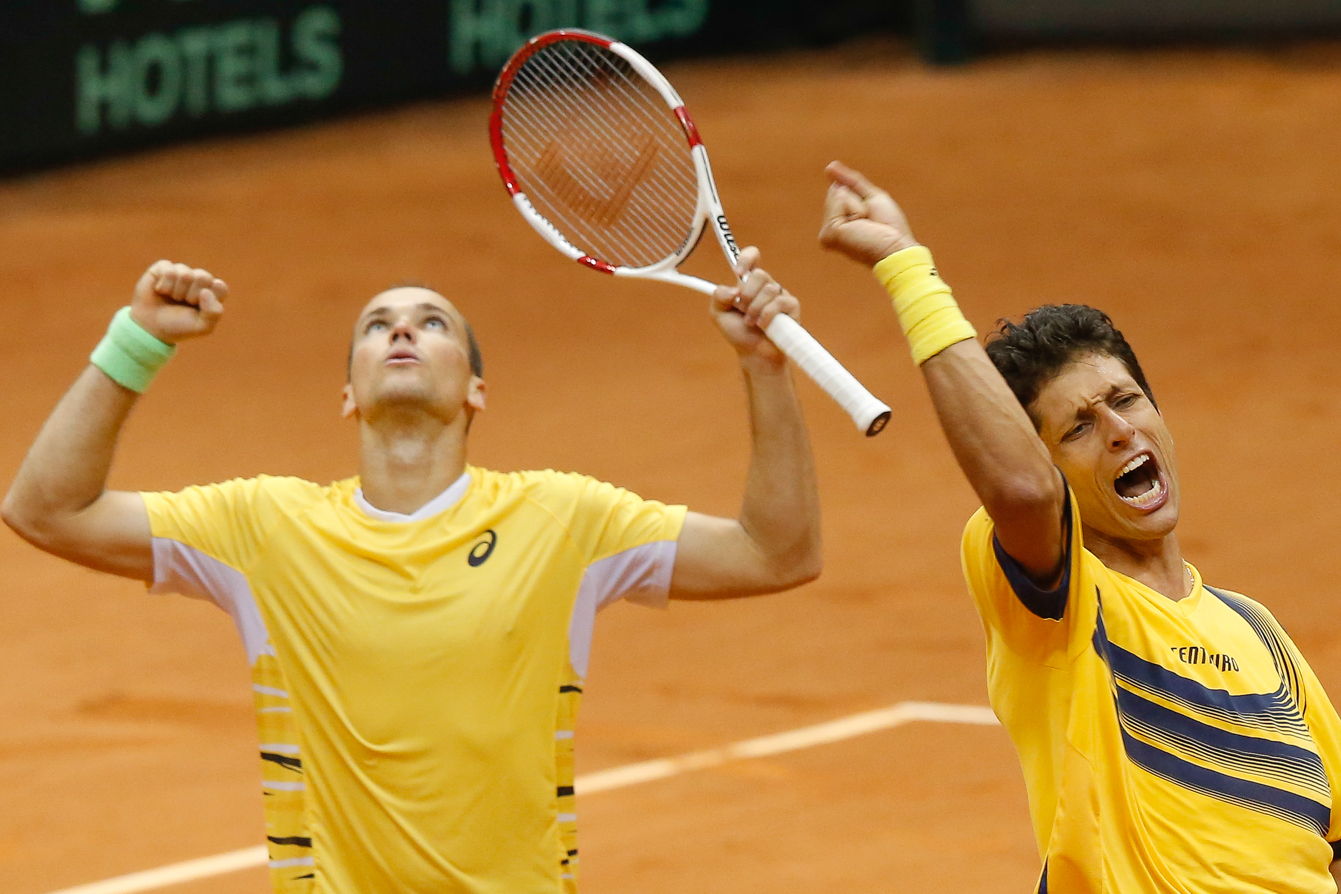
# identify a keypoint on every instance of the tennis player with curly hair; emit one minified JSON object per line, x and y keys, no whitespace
{"x":1173,"y":739}
{"x":418,"y":634}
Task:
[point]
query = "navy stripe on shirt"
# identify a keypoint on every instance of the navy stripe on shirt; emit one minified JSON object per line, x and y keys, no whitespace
{"x":1048,"y":604}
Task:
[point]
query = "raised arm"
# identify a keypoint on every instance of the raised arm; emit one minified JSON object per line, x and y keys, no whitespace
{"x":775,"y":542}
{"x":991,"y":435}
{"x":58,"y":501}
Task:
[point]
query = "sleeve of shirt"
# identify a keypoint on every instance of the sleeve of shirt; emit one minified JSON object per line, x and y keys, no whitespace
{"x":629,"y":542}
{"x":1030,"y":621}
{"x":204,"y":537}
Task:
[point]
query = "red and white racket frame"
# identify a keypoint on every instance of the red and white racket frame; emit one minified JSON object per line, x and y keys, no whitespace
{"x":867,"y":411}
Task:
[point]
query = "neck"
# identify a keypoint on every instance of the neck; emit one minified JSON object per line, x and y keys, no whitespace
{"x":1156,"y":563}
{"x":405,"y":462}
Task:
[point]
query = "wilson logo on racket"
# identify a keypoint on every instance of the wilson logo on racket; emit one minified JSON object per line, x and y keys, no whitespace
{"x":725,"y":229}
{"x":601,"y":157}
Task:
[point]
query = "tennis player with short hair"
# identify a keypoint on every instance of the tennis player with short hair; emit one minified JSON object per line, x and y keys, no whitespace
{"x":1172,"y":737}
{"x":419,"y":634}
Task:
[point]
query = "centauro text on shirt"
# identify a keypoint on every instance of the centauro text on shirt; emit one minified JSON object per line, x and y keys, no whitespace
{"x":1167,"y":746}
{"x":417,"y":677}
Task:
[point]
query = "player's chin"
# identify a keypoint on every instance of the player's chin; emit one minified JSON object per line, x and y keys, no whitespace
{"x":1151,"y":524}
{"x":405,"y":394}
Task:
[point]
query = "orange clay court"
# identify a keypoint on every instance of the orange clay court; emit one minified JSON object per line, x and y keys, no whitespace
{"x":1195,"y":195}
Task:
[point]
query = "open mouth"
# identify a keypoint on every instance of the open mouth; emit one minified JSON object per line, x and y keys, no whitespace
{"x":1139,"y":484}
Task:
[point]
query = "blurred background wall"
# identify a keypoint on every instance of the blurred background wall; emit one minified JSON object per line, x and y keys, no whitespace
{"x":79,"y":78}
{"x":82,"y":78}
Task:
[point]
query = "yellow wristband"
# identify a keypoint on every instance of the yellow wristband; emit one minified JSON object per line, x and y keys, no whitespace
{"x":930,"y":318}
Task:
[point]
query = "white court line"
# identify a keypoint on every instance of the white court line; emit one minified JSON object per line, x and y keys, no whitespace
{"x":602,"y":780}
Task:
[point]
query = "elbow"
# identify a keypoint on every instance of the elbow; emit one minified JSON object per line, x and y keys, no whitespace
{"x":22,"y":521}
{"x":1029,"y":504}
{"x":809,"y":572}
{"x":803,"y":570}
{"x":812,"y":568}
{"x":1025,"y":495}
{"x":10,"y":515}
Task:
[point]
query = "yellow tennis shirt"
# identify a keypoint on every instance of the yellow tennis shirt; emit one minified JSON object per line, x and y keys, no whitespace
{"x":1167,"y":747}
{"x":417,"y":677}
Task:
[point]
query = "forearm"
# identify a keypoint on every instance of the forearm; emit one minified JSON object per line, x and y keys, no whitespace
{"x":991,"y":436}
{"x":58,"y":501}
{"x":775,"y":542}
{"x":66,"y":469}
{"x":780,"y":510}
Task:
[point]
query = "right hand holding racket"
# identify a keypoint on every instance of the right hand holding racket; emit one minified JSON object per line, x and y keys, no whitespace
{"x":175,"y":302}
{"x":744,"y":311}
{"x":860,"y":219}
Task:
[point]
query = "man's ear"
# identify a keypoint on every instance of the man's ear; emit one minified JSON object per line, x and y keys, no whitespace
{"x":475,"y":397}
{"x":348,"y":409}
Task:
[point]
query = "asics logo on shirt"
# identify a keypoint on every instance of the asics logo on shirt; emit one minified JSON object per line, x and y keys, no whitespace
{"x":480,"y":552}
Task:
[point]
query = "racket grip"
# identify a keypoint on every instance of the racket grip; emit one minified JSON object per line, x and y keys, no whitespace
{"x":868,"y":411}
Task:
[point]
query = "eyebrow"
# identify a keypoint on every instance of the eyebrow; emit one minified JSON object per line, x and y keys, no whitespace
{"x":422,"y":306}
{"x":1107,"y":396}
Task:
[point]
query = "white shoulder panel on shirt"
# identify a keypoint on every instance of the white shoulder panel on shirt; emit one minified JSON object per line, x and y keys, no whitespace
{"x":641,"y":574}
{"x":179,"y":568}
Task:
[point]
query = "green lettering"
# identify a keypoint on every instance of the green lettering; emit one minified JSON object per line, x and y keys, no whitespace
{"x":487,"y":32}
{"x":234,"y":67}
{"x":275,"y":88}
{"x":316,"y":44}
{"x":473,"y":23}
{"x":640,"y":25}
{"x":95,"y":87}
{"x":607,"y":17}
{"x":635,"y":22}
{"x":196,"y":46}
{"x":531,"y":17}
{"x":682,"y":18}
{"x":520,"y":19}
{"x":157,"y":54}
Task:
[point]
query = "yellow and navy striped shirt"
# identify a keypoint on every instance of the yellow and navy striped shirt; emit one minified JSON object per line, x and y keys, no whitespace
{"x":1168,"y":747}
{"x":417,"y":677}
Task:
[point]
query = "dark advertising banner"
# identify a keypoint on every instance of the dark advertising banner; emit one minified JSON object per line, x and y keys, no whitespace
{"x":80,"y":78}
{"x":1119,"y":17}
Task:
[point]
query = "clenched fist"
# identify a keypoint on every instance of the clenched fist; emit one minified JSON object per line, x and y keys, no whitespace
{"x":174,"y":302}
{"x":860,"y":219}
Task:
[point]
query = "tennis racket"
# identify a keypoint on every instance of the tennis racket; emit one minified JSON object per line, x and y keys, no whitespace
{"x":600,"y":156}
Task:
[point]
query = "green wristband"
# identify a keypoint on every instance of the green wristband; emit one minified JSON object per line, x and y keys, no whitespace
{"x":129,"y":354}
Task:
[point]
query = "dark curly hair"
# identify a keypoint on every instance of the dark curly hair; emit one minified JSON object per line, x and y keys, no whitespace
{"x":1030,"y":353}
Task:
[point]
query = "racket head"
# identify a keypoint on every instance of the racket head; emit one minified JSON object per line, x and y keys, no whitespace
{"x":599,"y":154}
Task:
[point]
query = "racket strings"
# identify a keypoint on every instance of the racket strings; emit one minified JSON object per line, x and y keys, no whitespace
{"x":651,"y":106}
{"x":597,"y":184}
{"x":600,"y":154}
{"x":617,"y":126}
